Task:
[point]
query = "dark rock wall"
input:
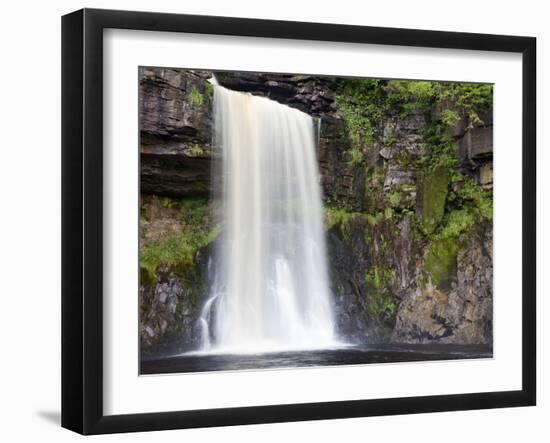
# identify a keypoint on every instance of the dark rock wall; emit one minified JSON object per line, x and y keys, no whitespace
{"x":175,"y":132}
{"x":410,"y":256}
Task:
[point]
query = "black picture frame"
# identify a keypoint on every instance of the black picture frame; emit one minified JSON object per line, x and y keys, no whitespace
{"x":82,"y":219}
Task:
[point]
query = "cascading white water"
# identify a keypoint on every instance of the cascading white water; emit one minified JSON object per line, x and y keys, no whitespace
{"x":271,"y":288}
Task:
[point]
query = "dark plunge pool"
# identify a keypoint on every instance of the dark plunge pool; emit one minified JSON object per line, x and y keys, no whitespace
{"x":349,"y":355}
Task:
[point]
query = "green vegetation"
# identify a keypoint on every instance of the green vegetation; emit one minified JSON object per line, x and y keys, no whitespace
{"x":208,"y":89}
{"x":343,"y":217}
{"x":195,"y":96}
{"x":359,"y":102}
{"x":379,"y":277}
{"x":448,"y":203}
{"x":441,"y":262}
{"x":381,"y":306}
{"x":449,"y":117}
{"x":338,"y":216}
{"x":195,"y":150}
{"x":355,"y":155}
{"x":432,"y":191}
{"x":177,"y":251}
{"x":457,"y":222}
{"x":395,"y":198}
{"x":409,"y":96}
{"x":441,"y":149}
{"x":470,"y":194}
{"x":363,"y":102}
{"x":467,"y":99}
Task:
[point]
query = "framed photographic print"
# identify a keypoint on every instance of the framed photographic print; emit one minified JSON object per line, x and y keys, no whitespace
{"x":270,"y":221}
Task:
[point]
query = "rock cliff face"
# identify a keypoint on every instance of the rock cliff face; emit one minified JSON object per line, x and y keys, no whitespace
{"x":175,"y":132}
{"x":407,"y":195}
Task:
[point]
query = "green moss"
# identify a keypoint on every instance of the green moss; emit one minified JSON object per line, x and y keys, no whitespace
{"x":391,"y":140}
{"x":374,"y":219}
{"x":345,"y":220}
{"x":440,"y":147}
{"x":432,"y":194}
{"x":440,"y":263}
{"x":379,"y":277}
{"x":195,"y":96}
{"x":395,"y":198}
{"x":458,"y":222}
{"x":195,"y":150}
{"x":194,"y":211}
{"x":178,"y":250}
{"x":372,"y":278}
{"x":167,"y":203}
{"x":147,"y":274}
{"x":409,"y":96}
{"x":449,"y":117}
{"x":208,"y":89}
{"x":469,"y":98}
{"x":374,"y":198}
{"x":381,"y":307}
{"x":355,"y":156}
{"x":363,"y":102}
{"x":360,"y":102}
{"x":482,"y":200}
{"x":338,"y":216}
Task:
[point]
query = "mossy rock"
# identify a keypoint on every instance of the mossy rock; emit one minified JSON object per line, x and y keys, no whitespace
{"x":431,"y":195}
{"x":402,"y":197}
{"x":441,"y":264}
{"x":147,"y":276}
{"x":381,"y":308}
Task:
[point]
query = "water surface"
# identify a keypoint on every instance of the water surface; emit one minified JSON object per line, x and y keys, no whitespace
{"x":349,"y":355}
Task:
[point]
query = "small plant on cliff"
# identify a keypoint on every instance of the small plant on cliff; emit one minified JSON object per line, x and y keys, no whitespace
{"x":195,"y":211}
{"x":360,"y":102}
{"x":209,"y":89}
{"x":471,"y":194}
{"x":355,"y":155}
{"x":449,"y":117}
{"x":409,"y":96}
{"x":471,"y":99}
{"x":441,"y":149}
{"x":195,"y":151}
{"x":381,"y":306}
{"x":195,"y":96}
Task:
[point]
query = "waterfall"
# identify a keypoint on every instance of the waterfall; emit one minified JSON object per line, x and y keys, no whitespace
{"x":271,"y":287}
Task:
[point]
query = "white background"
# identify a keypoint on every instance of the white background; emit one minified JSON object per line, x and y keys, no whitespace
{"x":30,"y":227}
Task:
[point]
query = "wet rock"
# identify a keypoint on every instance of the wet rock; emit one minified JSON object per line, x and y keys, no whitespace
{"x":461,"y":315}
{"x":175,"y":132}
{"x":477,"y":144}
{"x":397,"y":176}
{"x":431,"y":195}
{"x":311,"y":94}
{"x":403,"y":134}
{"x":486,"y":176}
